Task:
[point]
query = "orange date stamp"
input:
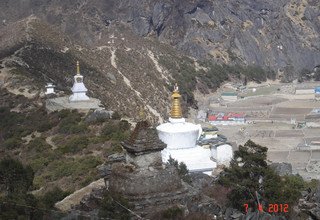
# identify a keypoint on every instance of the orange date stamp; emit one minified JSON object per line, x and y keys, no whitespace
{"x":272,"y":208}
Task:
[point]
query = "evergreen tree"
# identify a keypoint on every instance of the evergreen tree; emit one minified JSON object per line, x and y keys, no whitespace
{"x":249,"y":173}
{"x":15,"y":201}
{"x":14,"y":177}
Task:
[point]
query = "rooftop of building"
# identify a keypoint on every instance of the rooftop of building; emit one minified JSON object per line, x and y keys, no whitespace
{"x":229,"y":114}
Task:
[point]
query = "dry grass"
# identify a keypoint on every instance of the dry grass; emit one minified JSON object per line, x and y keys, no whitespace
{"x":217,"y":192}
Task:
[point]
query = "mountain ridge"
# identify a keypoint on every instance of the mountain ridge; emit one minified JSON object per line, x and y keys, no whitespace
{"x":281,"y":35}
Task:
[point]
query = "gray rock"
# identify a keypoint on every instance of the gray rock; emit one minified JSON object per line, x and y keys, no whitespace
{"x":98,"y":114}
{"x":117,"y":157}
{"x":202,"y":17}
{"x":282,"y":168}
{"x":228,"y":212}
{"x":104,"y":170}
{"x":200,"y":180}
{"x":160,"y":13}
{"x":141,"y":25}
{"x":253,"y":28}
{"x":236,"y":215}
{"x":315,"y":213}
{"x":111,"y":77}
{"x":310,"y":203}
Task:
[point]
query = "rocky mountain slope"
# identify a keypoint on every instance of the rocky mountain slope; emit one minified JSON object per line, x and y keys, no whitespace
{"x":281,"y":34}
{"x":32,"y":53}
{"x":140,"y":48}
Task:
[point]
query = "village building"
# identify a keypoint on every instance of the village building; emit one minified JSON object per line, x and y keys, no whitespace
{"x":317,"y":93}
{"x":230,"y":118}
{"x":303,"y":90}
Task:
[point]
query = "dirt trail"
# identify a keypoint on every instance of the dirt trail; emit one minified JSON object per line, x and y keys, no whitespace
{"x":51,"y":143}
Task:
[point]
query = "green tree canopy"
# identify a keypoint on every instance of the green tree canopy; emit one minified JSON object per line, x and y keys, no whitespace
{"x":15,"y":201}
{"x":249,"y":173}
{"x":14,"y":177}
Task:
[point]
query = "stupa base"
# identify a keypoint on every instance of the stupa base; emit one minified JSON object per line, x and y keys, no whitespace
{"x":197,"y":159}
{"x":57,"y":104}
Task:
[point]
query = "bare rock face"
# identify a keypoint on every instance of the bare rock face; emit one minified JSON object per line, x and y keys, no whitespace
{"x":278,"y":34}
{"x":130,"y":50}
{"x":310,"y":203}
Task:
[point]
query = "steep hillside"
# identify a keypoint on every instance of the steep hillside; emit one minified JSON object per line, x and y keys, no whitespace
{"x":132,"y":52}
{"x":125,"y":73}
{"x":282,"y":35}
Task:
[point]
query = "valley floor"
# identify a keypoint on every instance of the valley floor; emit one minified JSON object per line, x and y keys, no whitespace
{"x":277,"y":118}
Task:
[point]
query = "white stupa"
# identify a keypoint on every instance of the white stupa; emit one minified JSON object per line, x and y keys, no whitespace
{"x":180,"y":137}
{"x":78,"y":89}
{"x":50,"y":89}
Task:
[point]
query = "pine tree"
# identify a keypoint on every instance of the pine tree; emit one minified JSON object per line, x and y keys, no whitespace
{"x":249,"y":173}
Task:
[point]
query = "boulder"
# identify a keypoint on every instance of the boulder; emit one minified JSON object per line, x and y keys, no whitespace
{"x":282,"y":169}
{"x":99,"y":114}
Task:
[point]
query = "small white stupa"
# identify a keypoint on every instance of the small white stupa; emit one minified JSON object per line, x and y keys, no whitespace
{"x":50,"y":89}
{"x":180,"y":137}
{"x":78,"y":89}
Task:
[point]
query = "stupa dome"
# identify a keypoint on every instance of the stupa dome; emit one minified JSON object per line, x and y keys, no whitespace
{"x":178,"y":133}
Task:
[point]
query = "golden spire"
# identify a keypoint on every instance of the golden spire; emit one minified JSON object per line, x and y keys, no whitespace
{"x":78,"y":68}
{"x":176,"y":111}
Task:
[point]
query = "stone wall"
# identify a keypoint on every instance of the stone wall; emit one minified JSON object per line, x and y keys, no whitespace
{"x":145,"y":160}
{"x":144,"y":182}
